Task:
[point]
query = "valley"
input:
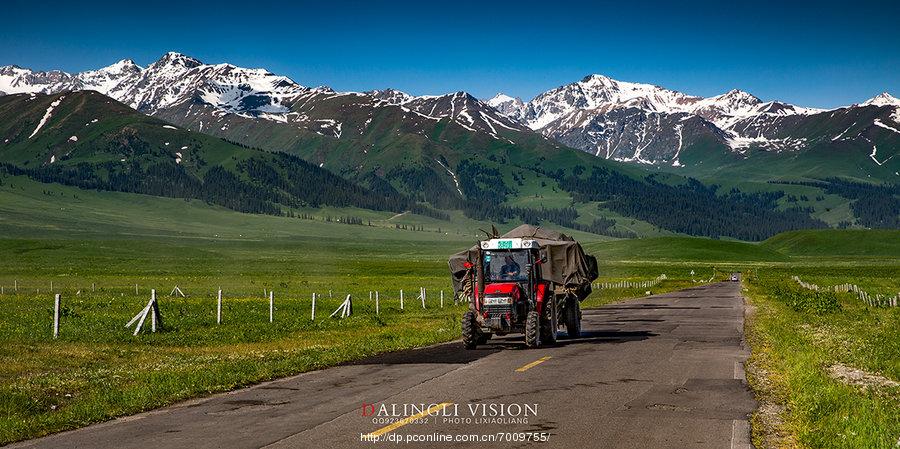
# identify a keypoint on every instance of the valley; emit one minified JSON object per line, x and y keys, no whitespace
{"x":216,"y":178}
{"x":95,"y":248}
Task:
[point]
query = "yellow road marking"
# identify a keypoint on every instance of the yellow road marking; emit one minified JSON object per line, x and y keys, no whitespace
{"x":533,"y":364}
{"x":397,"y":424}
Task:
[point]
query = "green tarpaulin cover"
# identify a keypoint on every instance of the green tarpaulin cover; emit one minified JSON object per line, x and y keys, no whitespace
{"x":567,"y":264}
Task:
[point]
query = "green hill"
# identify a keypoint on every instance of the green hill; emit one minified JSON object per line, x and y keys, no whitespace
{"x":837,"y":243}
{"x":398,"y":163}
{"x":91,"y":141}
{"x":683,"y":249}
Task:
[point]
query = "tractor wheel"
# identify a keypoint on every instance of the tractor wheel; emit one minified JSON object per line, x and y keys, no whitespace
{"x":573,"y":319}
{"x":549,"y":324}
{"x":471,"y":335}
{"x":533,"y":330}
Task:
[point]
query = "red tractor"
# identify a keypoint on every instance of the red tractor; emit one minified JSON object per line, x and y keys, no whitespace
{"x":523,"y":285}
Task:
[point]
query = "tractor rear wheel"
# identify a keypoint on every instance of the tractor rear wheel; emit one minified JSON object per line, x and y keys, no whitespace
{"x":573,"y":318}
{"x":471,"y":334}
{"x":533,"y":329}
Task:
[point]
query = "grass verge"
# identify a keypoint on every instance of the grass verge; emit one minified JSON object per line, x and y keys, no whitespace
{"x":796,"y":348}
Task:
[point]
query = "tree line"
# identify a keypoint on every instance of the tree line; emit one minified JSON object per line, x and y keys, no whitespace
{"x":690,"y":208}
{"x":873,"y":205}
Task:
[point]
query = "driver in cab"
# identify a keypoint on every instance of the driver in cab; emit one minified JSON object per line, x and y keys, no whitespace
{"x":510,"y":270}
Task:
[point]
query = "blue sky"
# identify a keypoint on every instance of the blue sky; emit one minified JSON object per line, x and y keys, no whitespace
{"x":820,"y":54}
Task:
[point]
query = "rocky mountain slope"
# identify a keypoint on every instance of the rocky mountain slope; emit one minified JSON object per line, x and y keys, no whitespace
{"x":724,"y":135}
{"x":651,"y":125}
{"x":177,"y":82}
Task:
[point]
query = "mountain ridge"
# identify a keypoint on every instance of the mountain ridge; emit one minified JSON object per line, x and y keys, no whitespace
{"x":654,"y":126}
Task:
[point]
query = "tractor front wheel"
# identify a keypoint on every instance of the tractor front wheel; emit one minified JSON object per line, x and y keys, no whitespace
{"x":549,"y":324}
{"x":533,"y":330}
{"x":471,"y":334}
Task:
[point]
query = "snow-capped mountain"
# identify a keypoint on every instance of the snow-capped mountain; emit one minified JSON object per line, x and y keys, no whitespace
{"x":506,"y":105}
{"x":186,"y":91}
{"x":461,"y":107}
{"x":618,"y":120}
{"x":173,"y":79}
{"x":649,"y":124}
{"x":882,"y":99}
{"x":15,"y":79}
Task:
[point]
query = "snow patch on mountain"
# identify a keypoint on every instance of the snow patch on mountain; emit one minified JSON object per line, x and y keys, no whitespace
{"x":882,"y":125}
{"x":47,"y":115}
{"x":452,"y":175}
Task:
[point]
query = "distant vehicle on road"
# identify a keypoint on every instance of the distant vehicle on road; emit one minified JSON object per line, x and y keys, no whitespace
{"x":735,"y":277}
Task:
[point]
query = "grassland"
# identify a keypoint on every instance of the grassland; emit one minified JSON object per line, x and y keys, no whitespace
{"x":94,"y":247}
{"x":96,"y":370}
{"x":796,"y":354}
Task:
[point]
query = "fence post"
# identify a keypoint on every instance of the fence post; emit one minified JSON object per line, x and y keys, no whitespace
{"x":92,"y":286}
{"x":423,"y":297}
{"x":51,"y":286}
{"x":442,"y":299}
{"x":135,"y":289}
{"x":313,"y":316}
{"x":376,"y":302}
{"x":401,"y":299}
{"x":219,"y":307}
{"x":271,"y":306}
{"x":153,"y":310}
{"x":16,"y":285}
{"x":56,"y":315}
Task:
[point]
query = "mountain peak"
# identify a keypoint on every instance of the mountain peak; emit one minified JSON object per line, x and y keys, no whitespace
{"x":598,"y":80}
{"x":738,"y":93}
{"x":177,"y":59}
{"x":882,"y":99}
{"x":737,"y":97}
{"x":123,"y":66}
{"x":12,"y":70}
{"x":596,"y":77}
{"x":506,"y":105}
{"x":503,"y":98}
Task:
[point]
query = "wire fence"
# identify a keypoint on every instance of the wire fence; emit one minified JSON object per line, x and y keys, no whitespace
{"x":271,"y":301}
{"x":630,"y":284}
{"x":876,"y":300}
{"x":198,"y":303}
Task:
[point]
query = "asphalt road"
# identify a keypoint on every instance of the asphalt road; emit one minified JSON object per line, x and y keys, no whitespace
{"x":661,"y":371}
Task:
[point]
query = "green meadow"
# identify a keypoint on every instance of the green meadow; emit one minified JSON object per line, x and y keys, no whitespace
{"x":95,"y":247}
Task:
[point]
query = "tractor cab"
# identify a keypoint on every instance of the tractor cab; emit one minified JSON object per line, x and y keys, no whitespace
{"x":510,"y":272}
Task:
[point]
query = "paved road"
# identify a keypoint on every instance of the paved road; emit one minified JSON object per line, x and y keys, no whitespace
{"x":661,"y":371}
